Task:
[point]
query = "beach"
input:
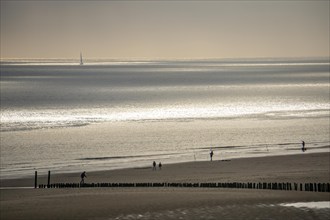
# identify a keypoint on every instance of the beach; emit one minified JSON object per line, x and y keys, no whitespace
{"x":113,"y":120}
{"x":156,"y":110}
{"x":175,"y":203}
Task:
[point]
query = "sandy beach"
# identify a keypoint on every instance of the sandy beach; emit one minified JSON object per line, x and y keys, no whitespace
{"x":175,"y":203}
{"x":300,"y":168}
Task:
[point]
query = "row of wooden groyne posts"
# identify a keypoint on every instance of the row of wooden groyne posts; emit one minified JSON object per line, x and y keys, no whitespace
{"x":310,"y":187}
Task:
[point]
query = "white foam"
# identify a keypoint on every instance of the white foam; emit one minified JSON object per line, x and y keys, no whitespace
{"x":311,"y":205}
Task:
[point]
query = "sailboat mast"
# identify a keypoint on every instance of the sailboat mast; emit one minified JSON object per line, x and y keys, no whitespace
{"x":81,"y":60}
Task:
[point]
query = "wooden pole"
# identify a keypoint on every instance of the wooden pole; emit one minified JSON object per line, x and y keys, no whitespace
{"x":35,"y":179}
{"x":48,"y":183}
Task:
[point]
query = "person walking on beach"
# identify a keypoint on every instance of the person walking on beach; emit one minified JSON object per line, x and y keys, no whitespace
{"x":154,"y":165}
{"x":303,"y":149}
{"x":83,"y":175}
{"x":160,"y":165}
{"x":211,"y":154}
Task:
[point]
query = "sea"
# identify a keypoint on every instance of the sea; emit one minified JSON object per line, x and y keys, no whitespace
{"x":108,"y":114}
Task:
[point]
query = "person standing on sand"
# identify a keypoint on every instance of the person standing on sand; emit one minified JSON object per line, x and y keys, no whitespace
{"x":160,"y":165}
{"x":83,"y":175}
{"x":154,"y":165}
{"x":303,"y":146}
{"x":211,"y":154}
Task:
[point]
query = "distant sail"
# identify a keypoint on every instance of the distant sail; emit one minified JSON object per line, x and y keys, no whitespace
{"x":81,"y":60}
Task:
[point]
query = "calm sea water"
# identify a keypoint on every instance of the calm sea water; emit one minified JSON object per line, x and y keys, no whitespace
{"x":61,"y":116}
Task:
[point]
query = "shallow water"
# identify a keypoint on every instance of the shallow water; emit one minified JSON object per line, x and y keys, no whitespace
{"x":310,"y":205}
{"x":260,"y":211}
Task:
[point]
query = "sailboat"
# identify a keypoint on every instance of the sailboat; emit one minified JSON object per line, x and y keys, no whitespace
{"x":81,"y":60}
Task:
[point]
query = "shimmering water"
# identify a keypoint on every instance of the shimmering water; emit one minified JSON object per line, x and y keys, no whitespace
{"x":58,"y":115}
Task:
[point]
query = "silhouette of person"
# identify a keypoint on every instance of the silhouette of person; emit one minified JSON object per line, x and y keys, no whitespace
{"x":211,"y":154}
{"x":154,"y":165}
{"x":160,"y":165}
{"x":83,"y":175}
{"x":303,"y":146}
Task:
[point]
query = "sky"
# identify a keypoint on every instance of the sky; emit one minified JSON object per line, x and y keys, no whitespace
{"x":164,"y":29}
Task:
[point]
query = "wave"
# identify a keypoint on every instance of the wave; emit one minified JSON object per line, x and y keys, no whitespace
{"x":7,"y":127}
{"x":127,"y":157}
{"x":271,"y":144}
{"x":50,"y":119}
{"x":251,"y":147}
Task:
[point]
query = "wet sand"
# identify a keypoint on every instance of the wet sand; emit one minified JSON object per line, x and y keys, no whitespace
{"x":301,"y":168}
{"x":175,"y":203}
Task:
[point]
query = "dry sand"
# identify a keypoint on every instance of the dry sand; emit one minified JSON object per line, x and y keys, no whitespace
{"x":176,"y":203}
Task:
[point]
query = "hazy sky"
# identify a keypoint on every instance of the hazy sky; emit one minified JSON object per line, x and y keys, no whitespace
{"x":166,"y":29}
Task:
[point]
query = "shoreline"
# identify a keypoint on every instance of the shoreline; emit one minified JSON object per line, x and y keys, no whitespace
{"x":78,"y":154}
{"x":314,"y":150}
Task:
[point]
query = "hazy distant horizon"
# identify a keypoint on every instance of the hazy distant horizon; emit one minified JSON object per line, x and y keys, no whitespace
{"x":164,"y":29}
{"x":86,"y":58}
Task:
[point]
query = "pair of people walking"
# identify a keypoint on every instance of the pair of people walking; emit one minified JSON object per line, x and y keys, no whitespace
{"x":154,"y":165}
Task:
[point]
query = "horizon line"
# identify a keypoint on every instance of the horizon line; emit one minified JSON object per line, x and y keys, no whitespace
{"x":164,"y":58}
